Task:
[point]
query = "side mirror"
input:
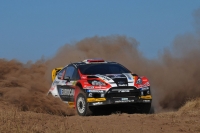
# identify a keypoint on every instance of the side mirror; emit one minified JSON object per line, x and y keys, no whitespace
{"x":66,"y":78}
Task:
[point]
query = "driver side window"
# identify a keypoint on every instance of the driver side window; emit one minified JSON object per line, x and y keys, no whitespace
{"x":60,"y":73}
{"x":69,"y":72}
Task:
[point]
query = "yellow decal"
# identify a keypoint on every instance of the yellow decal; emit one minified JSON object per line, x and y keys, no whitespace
{"x":71,"y":104}
{"x":95,"y":99}
{"x":74,"y":83}
{"x":146,"y":97}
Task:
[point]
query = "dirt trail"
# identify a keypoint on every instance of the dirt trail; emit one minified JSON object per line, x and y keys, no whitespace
{"x":185,"y":120}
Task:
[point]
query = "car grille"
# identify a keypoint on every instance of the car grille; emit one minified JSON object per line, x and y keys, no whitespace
{"x":133,"y":92}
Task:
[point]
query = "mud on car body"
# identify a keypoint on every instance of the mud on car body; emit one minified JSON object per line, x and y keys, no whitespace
{"x":94,"y":83}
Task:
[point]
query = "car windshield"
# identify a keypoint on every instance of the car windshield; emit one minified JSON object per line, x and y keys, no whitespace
{"x":91,"y":69}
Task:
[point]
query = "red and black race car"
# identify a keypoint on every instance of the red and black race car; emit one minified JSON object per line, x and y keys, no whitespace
{"x":95,"y":83}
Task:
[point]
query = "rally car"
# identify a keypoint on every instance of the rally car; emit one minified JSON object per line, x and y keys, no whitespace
{"x":95,"y":83}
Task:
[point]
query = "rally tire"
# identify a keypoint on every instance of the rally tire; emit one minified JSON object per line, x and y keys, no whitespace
{"x":145,"y":108}
{"x":82,"y":107}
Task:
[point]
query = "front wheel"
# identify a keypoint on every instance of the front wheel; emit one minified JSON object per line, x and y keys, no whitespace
{"x":82,"y":105}
{"x":145,"y":108}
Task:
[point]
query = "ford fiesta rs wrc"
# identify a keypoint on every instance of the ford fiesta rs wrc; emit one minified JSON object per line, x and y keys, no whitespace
{"x":95,"y":83}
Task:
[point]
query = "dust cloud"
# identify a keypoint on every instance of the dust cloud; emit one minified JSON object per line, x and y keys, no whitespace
{"x":24,"y":87}
{"x":174,"y":75}
{"x":174,"y":78}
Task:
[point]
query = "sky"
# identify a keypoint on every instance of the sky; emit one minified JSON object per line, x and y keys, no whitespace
{"x":30,"y":30}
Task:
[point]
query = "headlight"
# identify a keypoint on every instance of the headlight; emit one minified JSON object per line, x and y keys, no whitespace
{"x":96,"y":83}
{"x":139,"y":81}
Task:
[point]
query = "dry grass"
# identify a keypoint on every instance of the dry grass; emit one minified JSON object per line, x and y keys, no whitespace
{"x":191,"y":108}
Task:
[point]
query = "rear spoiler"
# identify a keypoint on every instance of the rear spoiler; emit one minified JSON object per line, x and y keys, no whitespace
{"x":55,"y":71}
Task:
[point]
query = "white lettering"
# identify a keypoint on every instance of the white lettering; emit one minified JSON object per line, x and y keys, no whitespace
{"x":146,"y":101}
{"x":122,"y":84}
{"x":68,"y":92}
{"x":122,"y":90}
{"x":126,"y":101}
{"x":97,"y":103}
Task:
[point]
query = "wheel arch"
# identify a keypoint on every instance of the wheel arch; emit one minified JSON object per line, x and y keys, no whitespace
{"x":79,"y":85}
{"x":78,"y":89}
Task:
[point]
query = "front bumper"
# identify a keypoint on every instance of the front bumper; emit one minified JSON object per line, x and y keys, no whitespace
{"x":119,"y":100}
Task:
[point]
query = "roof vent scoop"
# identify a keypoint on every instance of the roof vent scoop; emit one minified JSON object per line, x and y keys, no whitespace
{"x":94,"y":61}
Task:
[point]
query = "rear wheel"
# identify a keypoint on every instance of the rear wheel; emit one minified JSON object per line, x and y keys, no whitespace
{"x":82,"y":106}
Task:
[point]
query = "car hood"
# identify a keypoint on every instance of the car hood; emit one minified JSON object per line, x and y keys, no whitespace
{"x":123,"y":78}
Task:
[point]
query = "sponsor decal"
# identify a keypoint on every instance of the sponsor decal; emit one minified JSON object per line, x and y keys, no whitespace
{"x":122,"y":84}
{"x":122,"y":90}
{"x":97,"y":91}
{"x":100,"y":87}
{"x":94,"y":87}
{"x":144,"y":89}
{"x":146,"y":101}
{"x":124,"y":101}
{"x":144,"y":85}
{"x":52,"y":88}
{"x":97,"y":103}
{"x":56,"y":82}
{"x":69,"y":83}
{"x":102,"y":95}
{"x":68,"y":92}
{"x":90,"y":95}
{"x":89,"y":87}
